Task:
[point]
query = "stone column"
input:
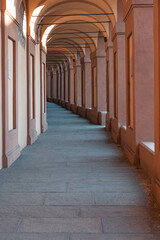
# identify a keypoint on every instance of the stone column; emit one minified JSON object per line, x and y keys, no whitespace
{"x":59,"y":83}
{"x":101,"y":81}
{"x":155,"y":162}
{"x":49,"y":85}
{"x":139,"y":24}
{"x":79,"y":82}
{"x":66,"y":82}
{"x":98,"y":61}
{"x":71,"y":85}
{"x":62,"y":83}
{"x":54,"y":84}
{"x":118,"y":37}
{"x":109,"y":96}
{"x":88,"y":82}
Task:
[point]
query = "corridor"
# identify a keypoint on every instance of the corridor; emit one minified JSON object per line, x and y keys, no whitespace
{"x":73,"y":183}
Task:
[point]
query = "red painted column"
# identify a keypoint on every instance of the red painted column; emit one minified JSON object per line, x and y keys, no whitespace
{"x":98,"y":59}
{"x":66,"y":83}
{"x":54,"y":84}
{"x":44,"y":124}
{"x":79,"y":82}
{"x":101,"y":82}
{"x":49,"y":85}
{"x":109,"y":79}
{"x":58,"y":83}
{"x":88,"y":78}
{"x":139,"y":23}
{"x":62,"y":83}
{"x":10,"y":148}
{"x":85,"y":85}
{"x":71,"y":85}
{"x":156,"y":163}
{"x":118,"y":38}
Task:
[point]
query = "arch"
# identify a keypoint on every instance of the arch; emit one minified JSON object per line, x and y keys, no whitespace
{"x":104,"y":6}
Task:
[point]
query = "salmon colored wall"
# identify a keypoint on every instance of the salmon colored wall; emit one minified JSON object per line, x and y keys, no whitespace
{"x":0,"y":101}
{"x":22,"y":96}
{"x":37,"y":87}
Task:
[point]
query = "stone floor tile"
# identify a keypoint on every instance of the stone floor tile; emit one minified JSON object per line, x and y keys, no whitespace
{"x":127,"y":225}
{"x":111,"y":237}
{"x":15,"y":198}
{"x":120,"y":198}
{"x":34,"y":236}
{"x":39,"y":211}
{"x":73,"y":183}
{"x":63,"y":225}
{"x":99,"y":187}
{"x":9,"y":224}
{"x":69,"y":199}
{"x":32,"y":187}
{"x":116,"y":211}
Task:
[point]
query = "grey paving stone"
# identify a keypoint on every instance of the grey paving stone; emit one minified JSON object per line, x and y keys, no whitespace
{"x":64,"y":225}
{"x":39,"y":211}
{"x":69,"y":182}
{"x":121,"y":198}
{"x":33,"y":187}
{"x":34,"y":236}
{"x":116,"y":211}
{"x":111,"y":237}
{"x":99,"y":187}
{"x":69,"y":199}
{"x":9,"y":224}
{"x":15,"y":198}
{"x":127,"y":225}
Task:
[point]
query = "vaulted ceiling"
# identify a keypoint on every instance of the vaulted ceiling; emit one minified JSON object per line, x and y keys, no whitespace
{"x":70,"y":27}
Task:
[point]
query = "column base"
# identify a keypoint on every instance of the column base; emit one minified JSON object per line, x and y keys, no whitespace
{"x":129,"y":147}
{"x":147,"y":158}
{"x":108,"y":122}
{"x":32,"y":137}
{"x":44,"y":126}
{"x":59,"y":102}
{"x":92,"y":115}
{"x":63,"y":104}
{"x":156,"y":189}
{"x":74,"y":108}
{"x":88,"y":113}
{"x":11,"y":156}
{"x":68,"y":106}
{"x":82,"y":111}
{"x":49,"y":100}
{"x":55,"y":100}
{"x":102,"y":117}
{"x":115,"y":130}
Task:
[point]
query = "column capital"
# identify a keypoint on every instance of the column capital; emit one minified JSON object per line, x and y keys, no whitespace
{"x":118,"y":30}
{"x":130,"y":5}
{"x":100,"y":53}
{"x":87,"y":61}
{"x":78,"y":64}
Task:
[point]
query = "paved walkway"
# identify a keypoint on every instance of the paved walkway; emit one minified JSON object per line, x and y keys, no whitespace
{"x":75,"y":184}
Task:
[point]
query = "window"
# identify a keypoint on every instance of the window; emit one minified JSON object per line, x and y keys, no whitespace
{"x":115,"y":87}
{"x":130,"y":81}
{"x":11,"y":85}
{"x":107,"y":91}
{"x":94,"y":87}
{"x":32,"y":87}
